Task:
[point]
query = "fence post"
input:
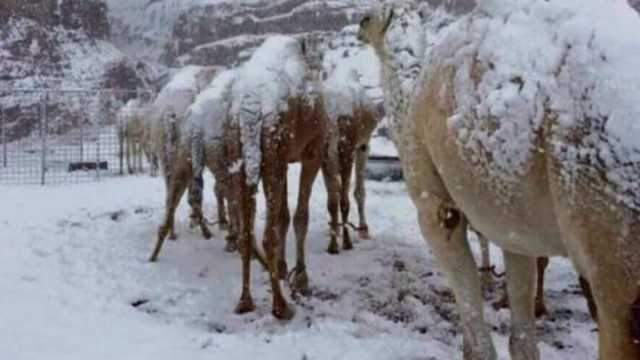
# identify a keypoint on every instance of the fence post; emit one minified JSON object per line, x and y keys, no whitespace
{"x":43,"y":138}
{"x":99,"y":122}
{"x":4,"y":137}
{"x":81,"y":141}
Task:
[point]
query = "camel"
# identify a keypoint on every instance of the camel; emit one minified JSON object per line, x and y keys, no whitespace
{"x":567,"y":186}
{"x":356,"y":117}
{"x":165,"y":126}
{"x":277,"y":117}
{"x":130,"y":134}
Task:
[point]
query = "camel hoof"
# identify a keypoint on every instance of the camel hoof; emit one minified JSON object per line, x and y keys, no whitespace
{"x":363,"y":233}
{"x":206,"y":233}
{"x":347,"y":244}
{"x":300,"y":284}
{"x":333,"y":250}
{"x":153,"y":258}
{"x":173,"y":237}
{"x":541,"y":309}
{"x":283,"y":270}
{"x":283,"y":312}
{"x":231,"y":246}
{"x":245,"y":306}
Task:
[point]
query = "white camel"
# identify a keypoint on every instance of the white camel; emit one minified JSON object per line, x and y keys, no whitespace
{"x":524,"y":124}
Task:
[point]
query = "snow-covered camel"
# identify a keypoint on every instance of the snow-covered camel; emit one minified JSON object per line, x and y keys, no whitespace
{"x":131,"y":135}
{"x":356,"y":116}
{"x":277,"y":117}
{"x":525,"y":124}
{"x":165,"y":126}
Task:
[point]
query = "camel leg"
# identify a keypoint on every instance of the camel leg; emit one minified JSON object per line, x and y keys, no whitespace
{"x":154,"y":165}
{"x":588,"y":294}
{"x":618,"y":304}
{"x":346,"y":168}
{"x":310,"y":168}
{"x":360,"y":192}
{"x":541,"y":308}
{"x":129,"y":154}
{"x":541,"y":265}
{"x":448,"y":242}
{"x":274,"y":186}
{"x":330,"y":174}
{"x":486,"y":277}
{"x":195,"y":201}
{"x":283,"y":227}
{"x":232,"y":236}
{"x":521,"y":283}
{"x":604,"y":244}
{"x":244,"y":205}
{"x":444,"y":227}
{"x":176,"y":187}
{"x":139,"y":155}
{"x":121,"y":151}
{"x":218,"y":190}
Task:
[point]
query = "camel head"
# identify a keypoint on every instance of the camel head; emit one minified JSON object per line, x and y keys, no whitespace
{"x":380,"y":21}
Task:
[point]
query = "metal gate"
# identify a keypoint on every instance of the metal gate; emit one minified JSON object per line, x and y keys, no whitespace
{"x":52,"y":137}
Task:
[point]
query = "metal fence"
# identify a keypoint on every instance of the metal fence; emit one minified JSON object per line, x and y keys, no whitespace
{"x":50,"y":137}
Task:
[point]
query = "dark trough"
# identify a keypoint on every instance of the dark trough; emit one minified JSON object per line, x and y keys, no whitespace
{"x":384,"y":168}
{"x":85,"y":166}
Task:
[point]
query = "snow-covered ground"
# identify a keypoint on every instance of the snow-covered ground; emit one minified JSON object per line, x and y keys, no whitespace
{"x":76,"y":285}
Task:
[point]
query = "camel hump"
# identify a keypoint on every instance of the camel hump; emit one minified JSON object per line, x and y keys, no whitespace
{"x":570,"y":94}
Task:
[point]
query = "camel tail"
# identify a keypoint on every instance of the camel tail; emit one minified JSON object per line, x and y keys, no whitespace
{"x":250,"y":124}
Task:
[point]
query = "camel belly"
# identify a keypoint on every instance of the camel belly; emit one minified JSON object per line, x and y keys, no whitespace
{"x":515,"y":214}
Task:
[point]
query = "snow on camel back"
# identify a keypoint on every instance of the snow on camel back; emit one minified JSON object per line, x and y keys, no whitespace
{"x":572,"y":62}
{"x":344,"y":94}
{"x":169,"y":107}
{"x":206,"y":117}
{"x":274,"y":74}
{"x":181,"y":90}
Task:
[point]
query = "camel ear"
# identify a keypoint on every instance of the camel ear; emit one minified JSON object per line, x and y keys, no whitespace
{"x":388,"y":23}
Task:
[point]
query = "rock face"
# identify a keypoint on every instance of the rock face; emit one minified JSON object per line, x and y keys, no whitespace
{"x":58,"y":44}
{"x":218,"y":33}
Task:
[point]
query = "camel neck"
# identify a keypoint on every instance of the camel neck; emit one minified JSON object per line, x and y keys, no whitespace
{"x":396,"y":101}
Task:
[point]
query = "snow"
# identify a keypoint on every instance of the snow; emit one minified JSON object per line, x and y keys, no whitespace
{"x":72,"y":273}
{"x":351,"y":74}
{"x":275,"y":73}
{"x":180,"y":92}
{"x":532,"y":56}
{"x":211,"y":107}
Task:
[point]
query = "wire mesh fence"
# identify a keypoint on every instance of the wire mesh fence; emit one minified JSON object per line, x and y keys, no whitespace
{"x":52,"y":137}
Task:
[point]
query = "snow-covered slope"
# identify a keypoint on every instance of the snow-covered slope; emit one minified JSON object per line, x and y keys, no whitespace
{"x":45,"y":50}
{"x":77,"y":285}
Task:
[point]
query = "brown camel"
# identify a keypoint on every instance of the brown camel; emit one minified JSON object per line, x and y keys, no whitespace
{"x":267,"y":133}
{"x":356,"y":118}
{"x":166,"y":126}
{"x":537,"y":199}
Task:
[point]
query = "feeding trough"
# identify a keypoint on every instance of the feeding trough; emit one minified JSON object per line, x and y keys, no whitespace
{"x":384,"y":168}
{"x":383,"y":163}
{"x":87,"y":166}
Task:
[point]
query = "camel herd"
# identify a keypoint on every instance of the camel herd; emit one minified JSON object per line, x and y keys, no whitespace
{"x":485,"y":149}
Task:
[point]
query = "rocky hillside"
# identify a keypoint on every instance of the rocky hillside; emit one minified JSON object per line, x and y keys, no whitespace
{"x":58,"y":44}
{"x":179,"y":32}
